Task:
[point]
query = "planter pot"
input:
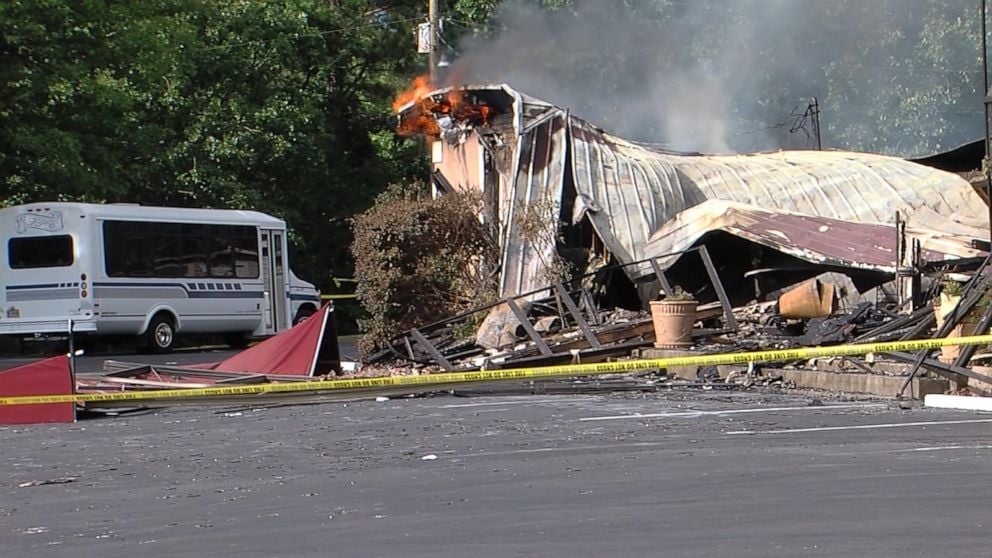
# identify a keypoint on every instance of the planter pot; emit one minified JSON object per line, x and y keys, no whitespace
{"x":965,"y":327}
{"x":950,"y":353}
{"x":810,"y":299}
{"x":673,"y":321}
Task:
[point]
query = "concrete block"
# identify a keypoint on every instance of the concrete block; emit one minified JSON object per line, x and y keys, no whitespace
{"x":870,"y":384}
{"x":684,"y":372}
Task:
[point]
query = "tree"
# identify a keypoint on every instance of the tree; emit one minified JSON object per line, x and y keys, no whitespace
{"x":75,"y":95}
{"x":282,"y":107}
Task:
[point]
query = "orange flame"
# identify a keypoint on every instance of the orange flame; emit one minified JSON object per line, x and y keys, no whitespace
{"x":418,"y":90}
{"x":424,"y":119}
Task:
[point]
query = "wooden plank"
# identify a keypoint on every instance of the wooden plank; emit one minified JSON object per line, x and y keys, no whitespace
{"x":151,"y":383}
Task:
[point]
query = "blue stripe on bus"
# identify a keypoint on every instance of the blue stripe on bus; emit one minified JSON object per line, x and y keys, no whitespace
{"x":38,"y":286}
{"x":116,"y":284}
{"x":239,"y":293}
{"x":216,"y":294}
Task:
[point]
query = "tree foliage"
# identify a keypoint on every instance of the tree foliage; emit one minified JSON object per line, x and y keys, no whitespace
{"x":278,"y":106}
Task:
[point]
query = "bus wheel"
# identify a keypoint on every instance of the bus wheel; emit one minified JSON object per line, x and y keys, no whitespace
{"x":302,"y":314}
{"x":161,"y":335}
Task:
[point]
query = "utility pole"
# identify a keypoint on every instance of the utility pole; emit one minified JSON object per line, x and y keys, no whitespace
{"x":434,"y":18}
{"x":814,"y":107}
{"x":986,"y":170}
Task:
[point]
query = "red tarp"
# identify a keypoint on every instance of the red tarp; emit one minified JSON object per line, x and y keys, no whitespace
{"x":44,"y":377}
{"x":307,"y":349}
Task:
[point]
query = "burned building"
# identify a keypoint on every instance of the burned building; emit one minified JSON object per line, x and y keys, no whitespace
{"x":559,"y":190}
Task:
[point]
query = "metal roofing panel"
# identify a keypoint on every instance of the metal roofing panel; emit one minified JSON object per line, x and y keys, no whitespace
{"x":820,"y":240}
{"x":628,"y":191}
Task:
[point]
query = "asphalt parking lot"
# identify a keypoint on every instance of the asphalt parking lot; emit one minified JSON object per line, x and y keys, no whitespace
{"x":665,"y":474}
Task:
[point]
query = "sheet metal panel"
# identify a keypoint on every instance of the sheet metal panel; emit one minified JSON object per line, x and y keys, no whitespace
{"x":536,"y":190}
{"x":821,"y":240}
{"x":629,"y":191}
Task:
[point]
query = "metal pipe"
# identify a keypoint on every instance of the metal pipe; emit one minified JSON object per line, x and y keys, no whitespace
{"x":815,"y":108}
{"x":985,"y":103}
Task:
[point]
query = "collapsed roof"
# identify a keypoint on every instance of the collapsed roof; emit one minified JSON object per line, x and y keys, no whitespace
{"x":607,"y":197}
{"x":819,"y":240}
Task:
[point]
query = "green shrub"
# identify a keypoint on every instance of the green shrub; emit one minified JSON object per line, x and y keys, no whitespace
{"x":419,"y":259}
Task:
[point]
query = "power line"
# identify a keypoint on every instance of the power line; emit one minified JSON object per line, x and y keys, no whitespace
{"x":382,"y":23}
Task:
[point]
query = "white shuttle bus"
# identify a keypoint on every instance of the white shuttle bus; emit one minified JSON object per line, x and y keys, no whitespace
{"x":154,"y":272}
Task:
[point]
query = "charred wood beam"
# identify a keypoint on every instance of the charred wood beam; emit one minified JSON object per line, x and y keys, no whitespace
{"x":949,"y":371}
{"x":636,"y":331}
{"x":970,"y":296}
{"x":252,"y":379}
{"x":442,"y":183}
{"x":591,"y":307}
{"x":525,"y":323}
{"x":721,"y":293}
{"x":125,"y":369}
{"x":897,"y":324}
{"x":566,"y":299}
{"x":662,"y":280}
{"x":470,"y":352}
{"x":901,"y":334}
{"x":921,"y":328}
{"x":970,"y":263}
{"x":560,"y":308}
{"x":430,"y":348}
{"x":588,"y":355}
{"x":858,"y":364}
{"x":611,"y":334}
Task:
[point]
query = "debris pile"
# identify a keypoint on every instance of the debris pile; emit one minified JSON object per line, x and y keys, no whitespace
{"x":561,"y":325}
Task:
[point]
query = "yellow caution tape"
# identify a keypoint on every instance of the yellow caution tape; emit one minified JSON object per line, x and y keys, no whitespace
{"x":337,"y":296}
{"x":545,"y":372}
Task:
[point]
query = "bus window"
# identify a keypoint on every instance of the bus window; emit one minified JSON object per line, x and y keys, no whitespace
{"x":40,"y":251}
{"x":222,"y":263}
{"x":189,"y":250}
{"x":246,"y":263}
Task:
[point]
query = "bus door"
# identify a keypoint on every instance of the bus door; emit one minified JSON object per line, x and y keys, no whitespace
{"x":274,"y":279}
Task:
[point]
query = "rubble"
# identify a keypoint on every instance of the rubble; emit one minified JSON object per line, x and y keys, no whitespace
{"x":586,"y":333}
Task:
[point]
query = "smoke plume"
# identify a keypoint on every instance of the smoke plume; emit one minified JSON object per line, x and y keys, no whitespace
{"x":891,"y":76}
